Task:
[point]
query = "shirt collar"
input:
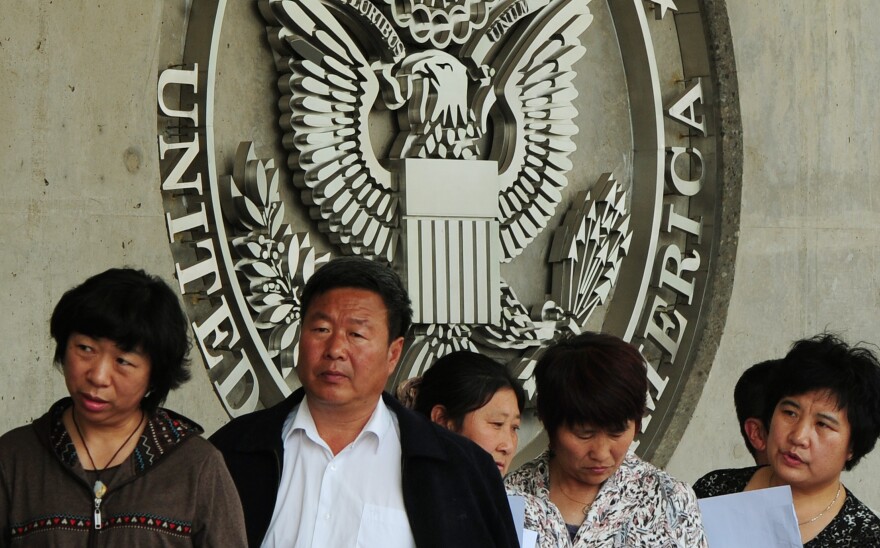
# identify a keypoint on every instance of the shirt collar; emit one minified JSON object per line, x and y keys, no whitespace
{"x":379,"y":425}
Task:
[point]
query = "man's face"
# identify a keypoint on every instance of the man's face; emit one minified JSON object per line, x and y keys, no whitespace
{"x":345,"y":355}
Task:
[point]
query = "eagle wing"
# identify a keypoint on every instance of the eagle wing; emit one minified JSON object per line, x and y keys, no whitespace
{"x":532,"y":47}
{"x":328,"y":89}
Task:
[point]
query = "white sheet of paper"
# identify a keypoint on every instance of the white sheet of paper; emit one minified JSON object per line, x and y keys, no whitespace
{"x":518,"y":511}
{"x":764,"y":517}
{"x":527,"y":538}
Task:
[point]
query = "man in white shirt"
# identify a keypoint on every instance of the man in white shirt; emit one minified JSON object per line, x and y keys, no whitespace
{"x":339,"y":463}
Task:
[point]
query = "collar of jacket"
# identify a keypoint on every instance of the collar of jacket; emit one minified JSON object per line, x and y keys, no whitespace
{"x":418,"y":436}
{"x":164,"y":432}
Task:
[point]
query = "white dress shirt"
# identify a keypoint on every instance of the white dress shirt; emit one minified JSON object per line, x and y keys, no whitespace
{"x":352,"y":499}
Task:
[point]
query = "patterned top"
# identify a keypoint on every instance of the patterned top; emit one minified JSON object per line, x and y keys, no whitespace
{"x":639,"y":505}
{"x":173,"y":490}
{"x":854,"y":526}
{"x":164,"y":432}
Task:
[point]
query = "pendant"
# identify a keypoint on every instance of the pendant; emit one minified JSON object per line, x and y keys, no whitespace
{"x":99,"y":489}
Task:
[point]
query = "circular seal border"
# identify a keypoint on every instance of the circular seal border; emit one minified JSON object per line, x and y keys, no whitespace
{"x":217,"y":341}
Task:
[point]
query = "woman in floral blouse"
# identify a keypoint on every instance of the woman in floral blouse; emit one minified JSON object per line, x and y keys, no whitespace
{"x":587,"y":489}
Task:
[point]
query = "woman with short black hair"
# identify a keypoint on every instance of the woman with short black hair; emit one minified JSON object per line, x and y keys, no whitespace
{"x":822,"y":415}
{"x":135,"y":310}
{"x":587,"y":489}
{"x":107,"y":466}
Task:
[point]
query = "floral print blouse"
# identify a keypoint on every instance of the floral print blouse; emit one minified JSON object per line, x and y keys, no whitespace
{"x":639,"y":506}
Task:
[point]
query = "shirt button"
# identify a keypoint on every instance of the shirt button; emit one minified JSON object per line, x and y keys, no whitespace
{"x":326,"y":516}
{"x":333,"y":467}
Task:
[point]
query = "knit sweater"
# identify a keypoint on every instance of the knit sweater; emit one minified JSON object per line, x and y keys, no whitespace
{"x":174,"y":489}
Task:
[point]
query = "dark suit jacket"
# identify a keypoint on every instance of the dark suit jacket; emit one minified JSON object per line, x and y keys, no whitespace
{"x":452,"y":491}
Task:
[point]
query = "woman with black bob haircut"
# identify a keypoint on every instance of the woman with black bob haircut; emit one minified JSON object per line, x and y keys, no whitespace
{"x":107,"y":466}
{"x":473,"y":395}
{"x":822,"y":415}
{"x":587,"y":489}
{"x":137,"y":311}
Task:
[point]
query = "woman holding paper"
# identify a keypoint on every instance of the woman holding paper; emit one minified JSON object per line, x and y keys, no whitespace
{"x":587,"y":489}
{"x":823,"y":416}
{"x":476,"y":397}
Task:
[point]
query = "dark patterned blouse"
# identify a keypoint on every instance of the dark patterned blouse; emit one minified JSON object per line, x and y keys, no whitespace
{"x":855,"y":526}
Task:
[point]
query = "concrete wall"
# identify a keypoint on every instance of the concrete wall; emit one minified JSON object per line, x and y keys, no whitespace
{"x":80,"y":175}
{"x":80,"y":190}
{"x":809,"y":248}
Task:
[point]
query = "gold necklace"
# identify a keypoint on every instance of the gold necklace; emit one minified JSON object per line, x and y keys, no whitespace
{"x":586,"y":505}
{"x":820,"y":514}
{"x":100,"y":488}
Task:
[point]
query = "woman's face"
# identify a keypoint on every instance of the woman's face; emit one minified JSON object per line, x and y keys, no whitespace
{"x":809,"y":440}
{"x":106,"y":383}
{"x":494,"y":427}
{"x":590,"y":455}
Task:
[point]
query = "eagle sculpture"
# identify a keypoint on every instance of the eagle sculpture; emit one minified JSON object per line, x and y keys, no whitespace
{"x":445,"y":67}
{"x":479,"y":95}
